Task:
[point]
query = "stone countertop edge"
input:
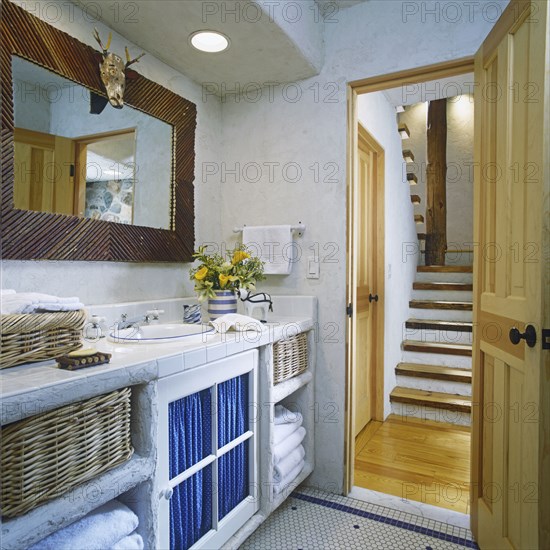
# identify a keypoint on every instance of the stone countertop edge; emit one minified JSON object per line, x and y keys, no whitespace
{"x":35,"y":388}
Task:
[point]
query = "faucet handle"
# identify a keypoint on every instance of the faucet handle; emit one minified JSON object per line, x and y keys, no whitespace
{"x":155,"y":313}
{"x":96,"y":320}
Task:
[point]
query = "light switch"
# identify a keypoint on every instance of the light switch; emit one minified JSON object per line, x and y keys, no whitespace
{"x":313,"y":268}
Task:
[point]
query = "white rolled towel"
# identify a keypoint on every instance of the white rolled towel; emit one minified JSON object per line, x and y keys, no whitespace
{"x":100,"y":529}
{"x":285,"y":466}
{"x":285,"y":447}
{"x":131,"y":542}
{"x":284,"y":416}
{"x":286,"y":481}
{"x":282,"y":431}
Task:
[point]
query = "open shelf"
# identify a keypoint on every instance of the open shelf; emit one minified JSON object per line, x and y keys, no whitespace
{"x":29,"y":528}
{"x":288,"y":387}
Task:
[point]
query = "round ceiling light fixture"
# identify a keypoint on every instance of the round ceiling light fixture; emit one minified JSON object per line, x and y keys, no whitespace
{"x":209,"y":41}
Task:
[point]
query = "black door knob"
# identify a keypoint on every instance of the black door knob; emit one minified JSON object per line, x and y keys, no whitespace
{"x":530,"y":336}
{"x":373,"y":298}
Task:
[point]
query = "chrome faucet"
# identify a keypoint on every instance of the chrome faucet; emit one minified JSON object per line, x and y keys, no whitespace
{"x":151,"y":315}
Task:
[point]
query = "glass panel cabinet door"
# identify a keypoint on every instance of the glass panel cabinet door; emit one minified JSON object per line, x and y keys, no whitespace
{"x":207,"y":445}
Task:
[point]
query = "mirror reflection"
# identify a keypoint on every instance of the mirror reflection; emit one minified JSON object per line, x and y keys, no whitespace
{"x":115,"y":166}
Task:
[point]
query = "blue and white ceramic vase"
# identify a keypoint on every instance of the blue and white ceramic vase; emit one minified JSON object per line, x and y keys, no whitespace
{"x":224,"y":302}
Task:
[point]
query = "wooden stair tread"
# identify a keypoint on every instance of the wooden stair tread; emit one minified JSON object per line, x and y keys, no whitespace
{"x":460,"y":326}
{"x":421,"y":236}
{"x":440,"y":304}
{"x":419,"y":218}
{"x":435,"y":372}
{"x":444,"y":269}
{"x":437,"y":347}
{"x":438,"y":400}
{"x":415,"y":199}
{"x":442,"y":286}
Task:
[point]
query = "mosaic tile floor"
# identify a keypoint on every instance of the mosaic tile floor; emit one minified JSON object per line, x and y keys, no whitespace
{"x":313,"y":520}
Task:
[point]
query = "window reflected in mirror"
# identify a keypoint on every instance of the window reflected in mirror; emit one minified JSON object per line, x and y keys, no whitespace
{"x":114,"y":166}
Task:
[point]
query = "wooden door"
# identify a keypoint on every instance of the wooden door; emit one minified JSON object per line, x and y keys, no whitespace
{"x":368,"y":340}
{"x":44,"y":172}
{"x":510,"y":442}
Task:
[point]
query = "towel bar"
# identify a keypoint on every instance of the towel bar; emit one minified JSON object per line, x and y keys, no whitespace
{"x":300,"y":228}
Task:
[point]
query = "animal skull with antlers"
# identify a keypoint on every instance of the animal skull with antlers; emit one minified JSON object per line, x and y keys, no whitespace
{"x":113,"y":72}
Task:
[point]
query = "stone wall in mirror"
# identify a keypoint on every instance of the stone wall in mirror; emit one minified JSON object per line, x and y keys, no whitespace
{"x":114,"y":166}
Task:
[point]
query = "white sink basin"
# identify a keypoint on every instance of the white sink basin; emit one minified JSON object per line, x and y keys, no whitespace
{"x":158,"y":334}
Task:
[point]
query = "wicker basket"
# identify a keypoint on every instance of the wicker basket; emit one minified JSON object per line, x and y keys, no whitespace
{"x":289,"y":357}
{"x":39,"y":336}
{"x":46,"y":455}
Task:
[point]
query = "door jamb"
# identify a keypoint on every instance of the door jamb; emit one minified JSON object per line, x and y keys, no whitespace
{"x":377,"y":83}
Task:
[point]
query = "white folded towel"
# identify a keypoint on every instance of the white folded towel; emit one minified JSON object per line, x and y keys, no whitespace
{"x":33,"y":302}
{"x":285,"y":482}
{"x":131,"y":542}
{"x":273,"y":244}
{"x":284,"y":416}
{"x":237,"y":322}
{"x":282,"y":431}
{"x":285,"y":466}
{"x":286,"y":446}
{"x":100,"y":529}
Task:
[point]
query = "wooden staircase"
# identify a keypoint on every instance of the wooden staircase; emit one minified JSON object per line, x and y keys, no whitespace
{"x":434,"y":378}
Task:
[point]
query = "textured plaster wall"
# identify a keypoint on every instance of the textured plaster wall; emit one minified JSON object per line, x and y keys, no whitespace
{"x":105,"y":282}
{"x":401,"y":255}
{"x":297,"y":137}
{"x":460,"y":152}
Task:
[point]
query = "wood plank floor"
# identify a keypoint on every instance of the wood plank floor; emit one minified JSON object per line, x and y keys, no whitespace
{"x":415,"y":459}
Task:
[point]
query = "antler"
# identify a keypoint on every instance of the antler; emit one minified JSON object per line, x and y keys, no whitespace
{"x":98,"y":40}
{"x":128,"y":61}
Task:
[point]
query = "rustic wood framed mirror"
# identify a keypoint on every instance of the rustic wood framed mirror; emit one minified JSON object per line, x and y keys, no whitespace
{"x":30,"y":234}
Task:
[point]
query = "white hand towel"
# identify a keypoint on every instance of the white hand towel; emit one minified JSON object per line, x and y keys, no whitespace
{"x":131,"y":542}
{"x":274,"y":246}
{"x":282,"y":431}
{"x":286,"y":446}
{"x":284,"y":416}
{"x":31,"y":302}
{"x":237,"y":322}
{"x":283,"y":468}
{"x":100,"y":529}
{"x":285,"y":482}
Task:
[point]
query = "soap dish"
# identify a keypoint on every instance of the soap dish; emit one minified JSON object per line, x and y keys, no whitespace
{"x":83,"y":358}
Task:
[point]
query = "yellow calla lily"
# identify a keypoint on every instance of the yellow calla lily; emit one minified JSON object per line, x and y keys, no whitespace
{"x":201,"y":273}
{"x":239,"y":256}
{"x":224,"y":279}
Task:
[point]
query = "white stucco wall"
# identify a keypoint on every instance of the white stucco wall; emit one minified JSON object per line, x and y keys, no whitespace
{"x":306,"y":125}
{"x":105,"y":282}
{"x":401,"y":253}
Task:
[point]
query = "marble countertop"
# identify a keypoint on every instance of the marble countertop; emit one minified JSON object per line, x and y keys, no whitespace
{"x":35,"y":388}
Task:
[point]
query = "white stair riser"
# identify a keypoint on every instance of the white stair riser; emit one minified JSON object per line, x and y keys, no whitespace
{"x":431,"y":413}
{"x":445,"y":295}
{"x":444,"y":277}
{"x":430,"y":384}
{"x":441,"y":314}
{"x":456,"y":361}
{"x":441,"y":336}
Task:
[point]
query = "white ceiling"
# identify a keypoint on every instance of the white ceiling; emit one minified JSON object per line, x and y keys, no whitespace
{"x":261,"y":51}
{"x":264,"y":48}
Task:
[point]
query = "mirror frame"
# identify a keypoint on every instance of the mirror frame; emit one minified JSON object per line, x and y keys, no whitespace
{"x":30,"y":235}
